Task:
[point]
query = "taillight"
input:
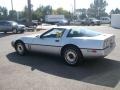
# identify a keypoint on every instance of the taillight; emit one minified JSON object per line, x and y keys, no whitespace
{"x":106,"y":43}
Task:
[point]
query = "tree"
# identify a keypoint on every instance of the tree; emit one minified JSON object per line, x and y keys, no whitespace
{"x":81,"y":13}
{"x":97,"y":9}
{"x":12,"y":15}
{"x":116,"y":11}
{"x":61,"y":11}
{"x":40,"y":12}
{"x":3,"y":13}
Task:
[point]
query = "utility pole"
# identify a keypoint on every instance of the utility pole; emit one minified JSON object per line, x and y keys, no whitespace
{"x":29,"y":13}
{"x":74,"y":10}
{"x":12,"y":4}
{"x":74,"y":7}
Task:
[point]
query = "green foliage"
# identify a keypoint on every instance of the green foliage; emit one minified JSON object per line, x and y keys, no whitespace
{"x":40,"y":12}
{"x":3,"y":13}
{"x":116,"y":11}
{"x":12,"y":15}
{"x":97,"y":9}
{"x":61,"y":11}
{"x":82,"y":13}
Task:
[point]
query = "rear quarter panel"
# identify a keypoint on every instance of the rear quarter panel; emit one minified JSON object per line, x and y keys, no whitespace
{"x":84,"y":42}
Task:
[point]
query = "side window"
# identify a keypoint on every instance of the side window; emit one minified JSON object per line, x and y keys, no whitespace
{"x":75,"y":33}
{"x":7,"y":24}
{"x":1,"y":23}
{"x":54,"y":33}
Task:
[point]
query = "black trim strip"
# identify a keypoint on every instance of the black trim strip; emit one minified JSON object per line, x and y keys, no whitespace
{"x":44,"y":45}
{"x":94,"y":48}
{"x":61,"y":46}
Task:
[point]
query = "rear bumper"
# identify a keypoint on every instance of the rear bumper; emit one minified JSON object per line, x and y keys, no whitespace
{"x":94,"y":53}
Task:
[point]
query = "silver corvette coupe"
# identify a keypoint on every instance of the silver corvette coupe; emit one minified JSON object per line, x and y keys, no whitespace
{"x":72,"y":43}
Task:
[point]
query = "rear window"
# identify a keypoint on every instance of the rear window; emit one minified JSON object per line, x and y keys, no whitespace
{"x":82,"y":32}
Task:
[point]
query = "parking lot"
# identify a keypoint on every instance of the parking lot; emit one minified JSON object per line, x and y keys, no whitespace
{"x":40,"y":71}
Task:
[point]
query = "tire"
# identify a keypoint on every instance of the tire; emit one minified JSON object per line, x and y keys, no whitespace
{"x":72,"y":56}
{"x":92,"y":24}
{"x":5,"y":32}
{"x":15,"y":31}
{"x":21,"y":31}
{"x":20,"y":48}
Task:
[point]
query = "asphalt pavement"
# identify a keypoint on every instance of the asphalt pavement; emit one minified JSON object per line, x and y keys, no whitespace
{"x":37,"y":71}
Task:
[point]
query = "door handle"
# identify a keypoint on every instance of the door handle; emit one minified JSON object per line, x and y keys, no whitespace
{"x":56,"y":40}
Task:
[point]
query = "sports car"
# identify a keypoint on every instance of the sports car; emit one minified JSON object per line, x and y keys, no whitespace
{"x":72,"y":43}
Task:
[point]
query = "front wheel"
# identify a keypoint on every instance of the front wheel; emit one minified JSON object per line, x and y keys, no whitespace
{"x":14,"y":31}
{"x":72,"y":56}
{"x":92,"y":24}
{"x":5,"y":32}
{"x":20,"y":48}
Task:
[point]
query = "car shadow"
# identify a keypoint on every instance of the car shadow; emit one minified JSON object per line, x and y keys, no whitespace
{"x":5,"y":34}
{"x":104,"y":72}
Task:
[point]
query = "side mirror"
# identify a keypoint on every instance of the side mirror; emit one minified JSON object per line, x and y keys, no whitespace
{"x":38,"y":36}
{"x":41,"y":36}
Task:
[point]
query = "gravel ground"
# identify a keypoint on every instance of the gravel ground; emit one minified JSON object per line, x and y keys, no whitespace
{"x":46,"y":72}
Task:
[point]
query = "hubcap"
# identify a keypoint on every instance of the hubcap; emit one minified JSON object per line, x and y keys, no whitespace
{"x":71,"y":56}
{"x":20,"y":48}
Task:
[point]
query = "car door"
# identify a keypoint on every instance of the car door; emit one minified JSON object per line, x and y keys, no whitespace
{"x":5,"y":26}
{"x":1,"y":26}
{"x":49,"y":42}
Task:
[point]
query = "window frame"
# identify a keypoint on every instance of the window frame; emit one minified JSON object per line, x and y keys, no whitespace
{"x":76,"y":36}
{"x":42,"y":36}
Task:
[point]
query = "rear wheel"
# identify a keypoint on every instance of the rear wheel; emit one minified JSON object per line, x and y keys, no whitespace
{"x":20,"y":48}
{"x":21,"y":31}
{"x":72,"y":55}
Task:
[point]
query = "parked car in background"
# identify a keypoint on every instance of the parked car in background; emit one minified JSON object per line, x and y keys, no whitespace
{"x":105,"y":20}
{"x":72,"y":43}
{"x":11,"y":26}
{"x":75,"y":22}
{"x":90,"y":21}
{"x":55,"y":19}
{"x":25,"y":22}
{"x":35,"y":23}
{"x":62,"y":22}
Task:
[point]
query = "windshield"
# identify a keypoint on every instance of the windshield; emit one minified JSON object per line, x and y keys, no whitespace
{"x":82,"y":32}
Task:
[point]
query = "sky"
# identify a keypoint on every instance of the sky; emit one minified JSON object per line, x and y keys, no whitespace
{"x":19,"y":5}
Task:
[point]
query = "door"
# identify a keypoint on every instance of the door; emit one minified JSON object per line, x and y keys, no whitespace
{"x":49,"y":42}
{"x":1,"y":26}
{"x":5,"y":26}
